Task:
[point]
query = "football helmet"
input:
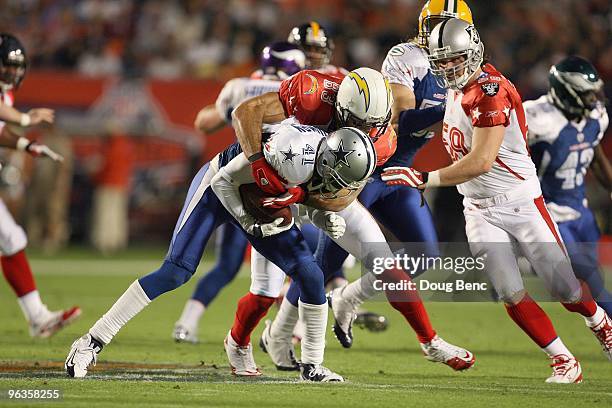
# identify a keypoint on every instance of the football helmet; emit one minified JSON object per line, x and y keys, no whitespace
{"x":13,"y":62}
{"x":345,"y":159}
{"x":575,"y":87}
{"x":435,"y":12}
{"x":315,"y":42}
{"x":282,"y":59}
{"x":452,"y":39}
{"x":364,"y":101}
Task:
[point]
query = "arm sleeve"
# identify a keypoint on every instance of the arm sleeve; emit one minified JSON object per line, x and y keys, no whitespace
{"x":396,"y":70}
{"x":486,"y":110}
{"x":413,"y":120}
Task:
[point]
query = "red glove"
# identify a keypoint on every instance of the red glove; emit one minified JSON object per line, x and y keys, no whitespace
{"x":405,"y":176}
{"x":292,"y":196}
{"x":266,"y":177}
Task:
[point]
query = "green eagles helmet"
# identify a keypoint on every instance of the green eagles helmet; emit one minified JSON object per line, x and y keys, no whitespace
{"x":575,"y":87}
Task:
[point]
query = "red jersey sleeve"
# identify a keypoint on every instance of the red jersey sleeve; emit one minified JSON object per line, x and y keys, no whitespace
{"x":385,"y":145}
{"x":487,"y":103}
{"x":309,"y":96}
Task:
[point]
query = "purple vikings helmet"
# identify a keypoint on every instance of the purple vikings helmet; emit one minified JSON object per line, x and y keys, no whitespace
{"x":282,"y":59}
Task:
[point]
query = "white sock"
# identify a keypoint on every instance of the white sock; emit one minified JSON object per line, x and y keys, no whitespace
{"x":361,"y":290}
{"x":557,"y":347}
{"x":133,"y":300}
{"x":313,"y":342}
{"x":596,"y":319}
{"x":192,"y":313}
{"x":285,"y":321}
{"x":32,"y":307}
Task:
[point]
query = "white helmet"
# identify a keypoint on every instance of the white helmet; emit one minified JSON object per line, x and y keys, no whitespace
{"x":450,"y":39}
{"x":364,"y":100}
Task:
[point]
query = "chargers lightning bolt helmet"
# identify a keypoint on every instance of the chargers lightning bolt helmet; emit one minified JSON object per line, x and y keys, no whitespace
{"x":13,"y":61}
{"x":364,"y":100}
{"x":450,"y":40}
{"x":282,"y":59}
{"x":575,"y":87}
{"x":436,"y":11}
{"x":315,"y":42}
{"x":345,"y":159}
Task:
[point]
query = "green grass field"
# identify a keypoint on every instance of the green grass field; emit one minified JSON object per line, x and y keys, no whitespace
{"x":144,"y":367}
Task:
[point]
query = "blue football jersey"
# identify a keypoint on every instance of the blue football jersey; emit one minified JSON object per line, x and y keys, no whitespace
{"x":562,"y":152}
{"x":406,"y":64}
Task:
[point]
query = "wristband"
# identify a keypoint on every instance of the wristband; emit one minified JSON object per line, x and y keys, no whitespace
{"x":22,"y":144}
{"x":255,"y":157}
{"x":433,"y":179}
{"x":25,"y":120}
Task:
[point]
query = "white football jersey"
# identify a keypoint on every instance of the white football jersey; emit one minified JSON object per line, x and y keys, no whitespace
{"x":292,"y":149}
{"x":406,"y":64}
{"x":491,"y":100}
{"x":239,"y":89}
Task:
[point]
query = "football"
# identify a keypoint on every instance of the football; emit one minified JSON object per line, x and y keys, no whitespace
{"x":252,"y":199}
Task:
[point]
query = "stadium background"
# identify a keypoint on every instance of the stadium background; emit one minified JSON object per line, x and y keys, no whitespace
{"x":128,"y":77}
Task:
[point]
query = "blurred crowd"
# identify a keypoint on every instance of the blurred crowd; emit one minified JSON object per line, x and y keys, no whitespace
{"x":214,"y":38}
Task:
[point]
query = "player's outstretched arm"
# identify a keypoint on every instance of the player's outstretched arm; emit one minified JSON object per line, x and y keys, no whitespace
{"x":486,"y":142}
{"x":602,"y":169}
{"x":32,"y":118}
{"x":406,"y":119}
{"x":331,"y":204}
{"x":13,"y":140}
{"x":209,"y":120}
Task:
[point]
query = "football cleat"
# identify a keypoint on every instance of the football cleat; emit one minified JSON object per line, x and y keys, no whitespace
{"x":182,"y":334}
{"x":281,"y":351}
{"x":318,"y":373}
{"x":54,"y":322}
{"x":371,"y":321}
{"x":83,"y":354}
{"x":566,"y":370}
{"x":603,"y":332}
{"x":344,"y":315}
{"x":240,"y":358}
{"x":439,"y":351}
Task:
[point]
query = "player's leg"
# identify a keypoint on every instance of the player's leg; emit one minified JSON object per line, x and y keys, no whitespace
{"x":201,"y":214}
{"x":581,"y":238}
{"x":541,"y":243}
{"x":231,"y":244}
{"x":17,"y":272}
{"x":492,"y":243}
{"x":290,"y":253}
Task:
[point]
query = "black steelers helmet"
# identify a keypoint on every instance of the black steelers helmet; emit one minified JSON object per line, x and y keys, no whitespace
{"x":13,"y":61}
{"x":315,"y":42}
{"x":575,"y":87}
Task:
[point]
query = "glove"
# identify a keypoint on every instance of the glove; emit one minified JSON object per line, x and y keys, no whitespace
{"x":405,"y":176}
{"x":37,"y":149}
{"x":294,"y":195}
{"x":329,"y":221}
{"x":272,"y":228}
{"x":266,"y":177}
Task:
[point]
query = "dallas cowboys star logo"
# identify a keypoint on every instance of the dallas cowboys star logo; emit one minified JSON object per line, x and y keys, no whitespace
{"x":340,"y":155}
{"x":289,"y":155}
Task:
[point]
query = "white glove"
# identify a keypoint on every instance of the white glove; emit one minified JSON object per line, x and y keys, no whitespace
{"x":37,"y":149}
{"x":329,"y":221}
{"x":266,"y":230}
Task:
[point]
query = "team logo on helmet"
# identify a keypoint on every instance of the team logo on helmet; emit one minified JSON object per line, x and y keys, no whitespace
{"x":340,"y":155}
{"x":314,"y":87}
{"x":363,"y":87}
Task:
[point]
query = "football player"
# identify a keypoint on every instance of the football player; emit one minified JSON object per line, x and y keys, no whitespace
{"x":565,"y":128}
{"x":485,"y":134}
{"x":318,"y":46}
{"x":314,"y":98}
{"x":418,"y":109}
{"x":13,"y":240}
{"x":278,"y":61}
{"x":213,"y":199}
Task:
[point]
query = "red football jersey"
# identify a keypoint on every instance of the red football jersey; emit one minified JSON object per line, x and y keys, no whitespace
{"x":310,"y":97}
